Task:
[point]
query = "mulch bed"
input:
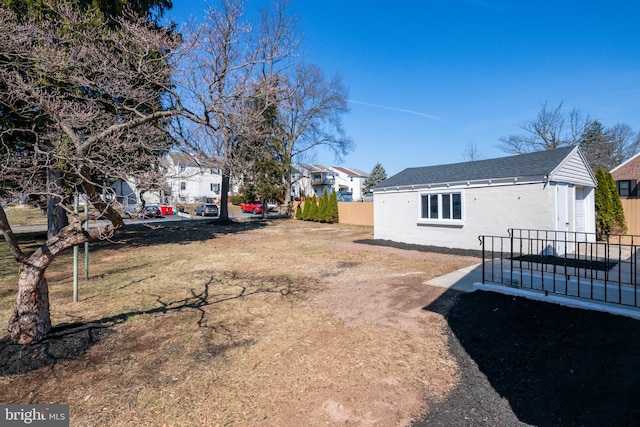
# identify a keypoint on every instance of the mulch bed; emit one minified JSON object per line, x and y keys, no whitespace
{"x":64,"y":342}
{"x":526,"y":362}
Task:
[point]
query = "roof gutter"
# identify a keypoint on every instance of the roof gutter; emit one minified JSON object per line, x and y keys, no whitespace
{"x":489,"y":182}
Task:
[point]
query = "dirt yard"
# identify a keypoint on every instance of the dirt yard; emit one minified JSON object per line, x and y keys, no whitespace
{"x":289,"y":323}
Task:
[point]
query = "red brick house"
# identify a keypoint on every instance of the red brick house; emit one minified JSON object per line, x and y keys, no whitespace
{"x":627,"y":175}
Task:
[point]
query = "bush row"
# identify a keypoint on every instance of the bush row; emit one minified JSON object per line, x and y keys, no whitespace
{"x":319,"y":209}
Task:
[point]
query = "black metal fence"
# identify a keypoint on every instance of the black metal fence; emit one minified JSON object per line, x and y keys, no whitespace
{"x":576,"y":264}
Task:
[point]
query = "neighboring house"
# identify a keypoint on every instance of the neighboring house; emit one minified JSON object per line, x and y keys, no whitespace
{"x":191,"y":180}
{"x":452,"y":205}
{"x":627,"y":175}
{"x":348,"y":183}
{"x":308,"y":180}
{"x":131,"y":193}
{"x":186,"y":179}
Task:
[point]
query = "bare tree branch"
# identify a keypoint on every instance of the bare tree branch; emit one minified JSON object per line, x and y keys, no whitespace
{"x":548,"y":131}
{"x":87,"y":104}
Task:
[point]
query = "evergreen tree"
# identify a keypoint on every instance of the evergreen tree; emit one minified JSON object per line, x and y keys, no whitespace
{"x":333,"y":208}
{"x":609,"y":212}
{"x":595,"y":146}
{"x":313,"y":209}
{"x":602,"y":204}
{"x":259,"y":156}
{"x":307,"y":208}
{"x":619,"y":223}
{"x":298,"y":212}
{"x":323,"y":205}
{"x":377,"y":175}
{"x":107,"y":8}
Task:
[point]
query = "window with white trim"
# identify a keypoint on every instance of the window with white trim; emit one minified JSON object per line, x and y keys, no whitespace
{"x":441,"y":207}
{"x":215,"y":187}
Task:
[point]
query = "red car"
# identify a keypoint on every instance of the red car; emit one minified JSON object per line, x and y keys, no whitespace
{"x":254,"y":206}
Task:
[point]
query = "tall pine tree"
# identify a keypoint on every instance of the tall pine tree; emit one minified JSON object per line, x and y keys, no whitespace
{"x":609,"y":213}
{"x":377,"y":175}
{"x":333,"y":208}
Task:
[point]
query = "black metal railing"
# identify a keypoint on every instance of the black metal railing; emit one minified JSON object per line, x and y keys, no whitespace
{"x":567,"y":263}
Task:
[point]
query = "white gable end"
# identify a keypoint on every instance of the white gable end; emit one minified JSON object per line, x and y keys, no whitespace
{"x":574,"y":170}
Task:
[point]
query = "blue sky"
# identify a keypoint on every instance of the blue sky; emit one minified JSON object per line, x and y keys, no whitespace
{"x":427,"y":78}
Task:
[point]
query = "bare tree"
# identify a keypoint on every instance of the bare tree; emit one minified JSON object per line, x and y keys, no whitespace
{"x":232,"y":63}
{"x":471,"y":153}
{"x":53,"y":205}
{"x":92,"y":100}
{"x":608,"y":147}
{"x":310,"y":112}
{"x":625,"y":144}
{"x":549,"y":130}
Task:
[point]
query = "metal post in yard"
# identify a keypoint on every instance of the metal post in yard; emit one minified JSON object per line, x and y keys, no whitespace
{"x":483,"y":259}
{"x":75,"y":255}
{"x":86,"y":244}
{"x":511,"y":258}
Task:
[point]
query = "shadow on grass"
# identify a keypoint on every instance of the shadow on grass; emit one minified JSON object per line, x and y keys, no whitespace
{"x":137,"y":235}
{"x":70,"y":341}
{"x":179,"y":232}
{"x":156,"y":233}
{"x":542,"y":364}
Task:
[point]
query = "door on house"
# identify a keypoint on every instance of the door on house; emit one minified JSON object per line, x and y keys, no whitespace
{"x":564,"y":239}
{"x":580,"y":226}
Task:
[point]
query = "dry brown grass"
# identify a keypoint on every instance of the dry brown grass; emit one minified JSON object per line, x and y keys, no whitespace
{"x":25,"y":215}
{"x":274,"y":323}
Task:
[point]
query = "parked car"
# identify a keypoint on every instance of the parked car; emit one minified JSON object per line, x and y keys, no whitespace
{"x":271,"y":207}
{"x":150,"y":211}
{"x":254,"y":206}
{"x":206,"y":209}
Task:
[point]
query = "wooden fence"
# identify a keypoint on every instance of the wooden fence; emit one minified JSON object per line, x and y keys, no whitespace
{"x":353,"y":213}
{"x":632,"y":215}
{"x":356,"y":213}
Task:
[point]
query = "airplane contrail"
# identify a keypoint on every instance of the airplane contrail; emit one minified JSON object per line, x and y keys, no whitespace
{"x":401,"y":110}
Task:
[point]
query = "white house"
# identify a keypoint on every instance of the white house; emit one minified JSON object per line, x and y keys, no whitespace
{"x":349,"y":182}
{"x":308,"y":179}
{"x":452,"y":205}
{"x":184,"y":179}
{"x":191,"y":180}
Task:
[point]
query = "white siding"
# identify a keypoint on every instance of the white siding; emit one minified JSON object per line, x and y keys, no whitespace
{"x":487,"y":211}
{"x":197,"y":184}
{"x":574,"y":170}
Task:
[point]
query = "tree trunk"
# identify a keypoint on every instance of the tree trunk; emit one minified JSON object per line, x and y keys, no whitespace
{"x":224,"y":196}
{"x":31,"y":319}
{"x":56,"y":216}
{"x":287,"y":191}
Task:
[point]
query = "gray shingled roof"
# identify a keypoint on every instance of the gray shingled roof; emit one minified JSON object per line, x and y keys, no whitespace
{"x":190,"y":159}
{"x":540,"y":163}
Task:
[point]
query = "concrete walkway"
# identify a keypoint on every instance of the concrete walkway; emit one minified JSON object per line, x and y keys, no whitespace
{"x":469,"y":279}
{"x":459,"y":280}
